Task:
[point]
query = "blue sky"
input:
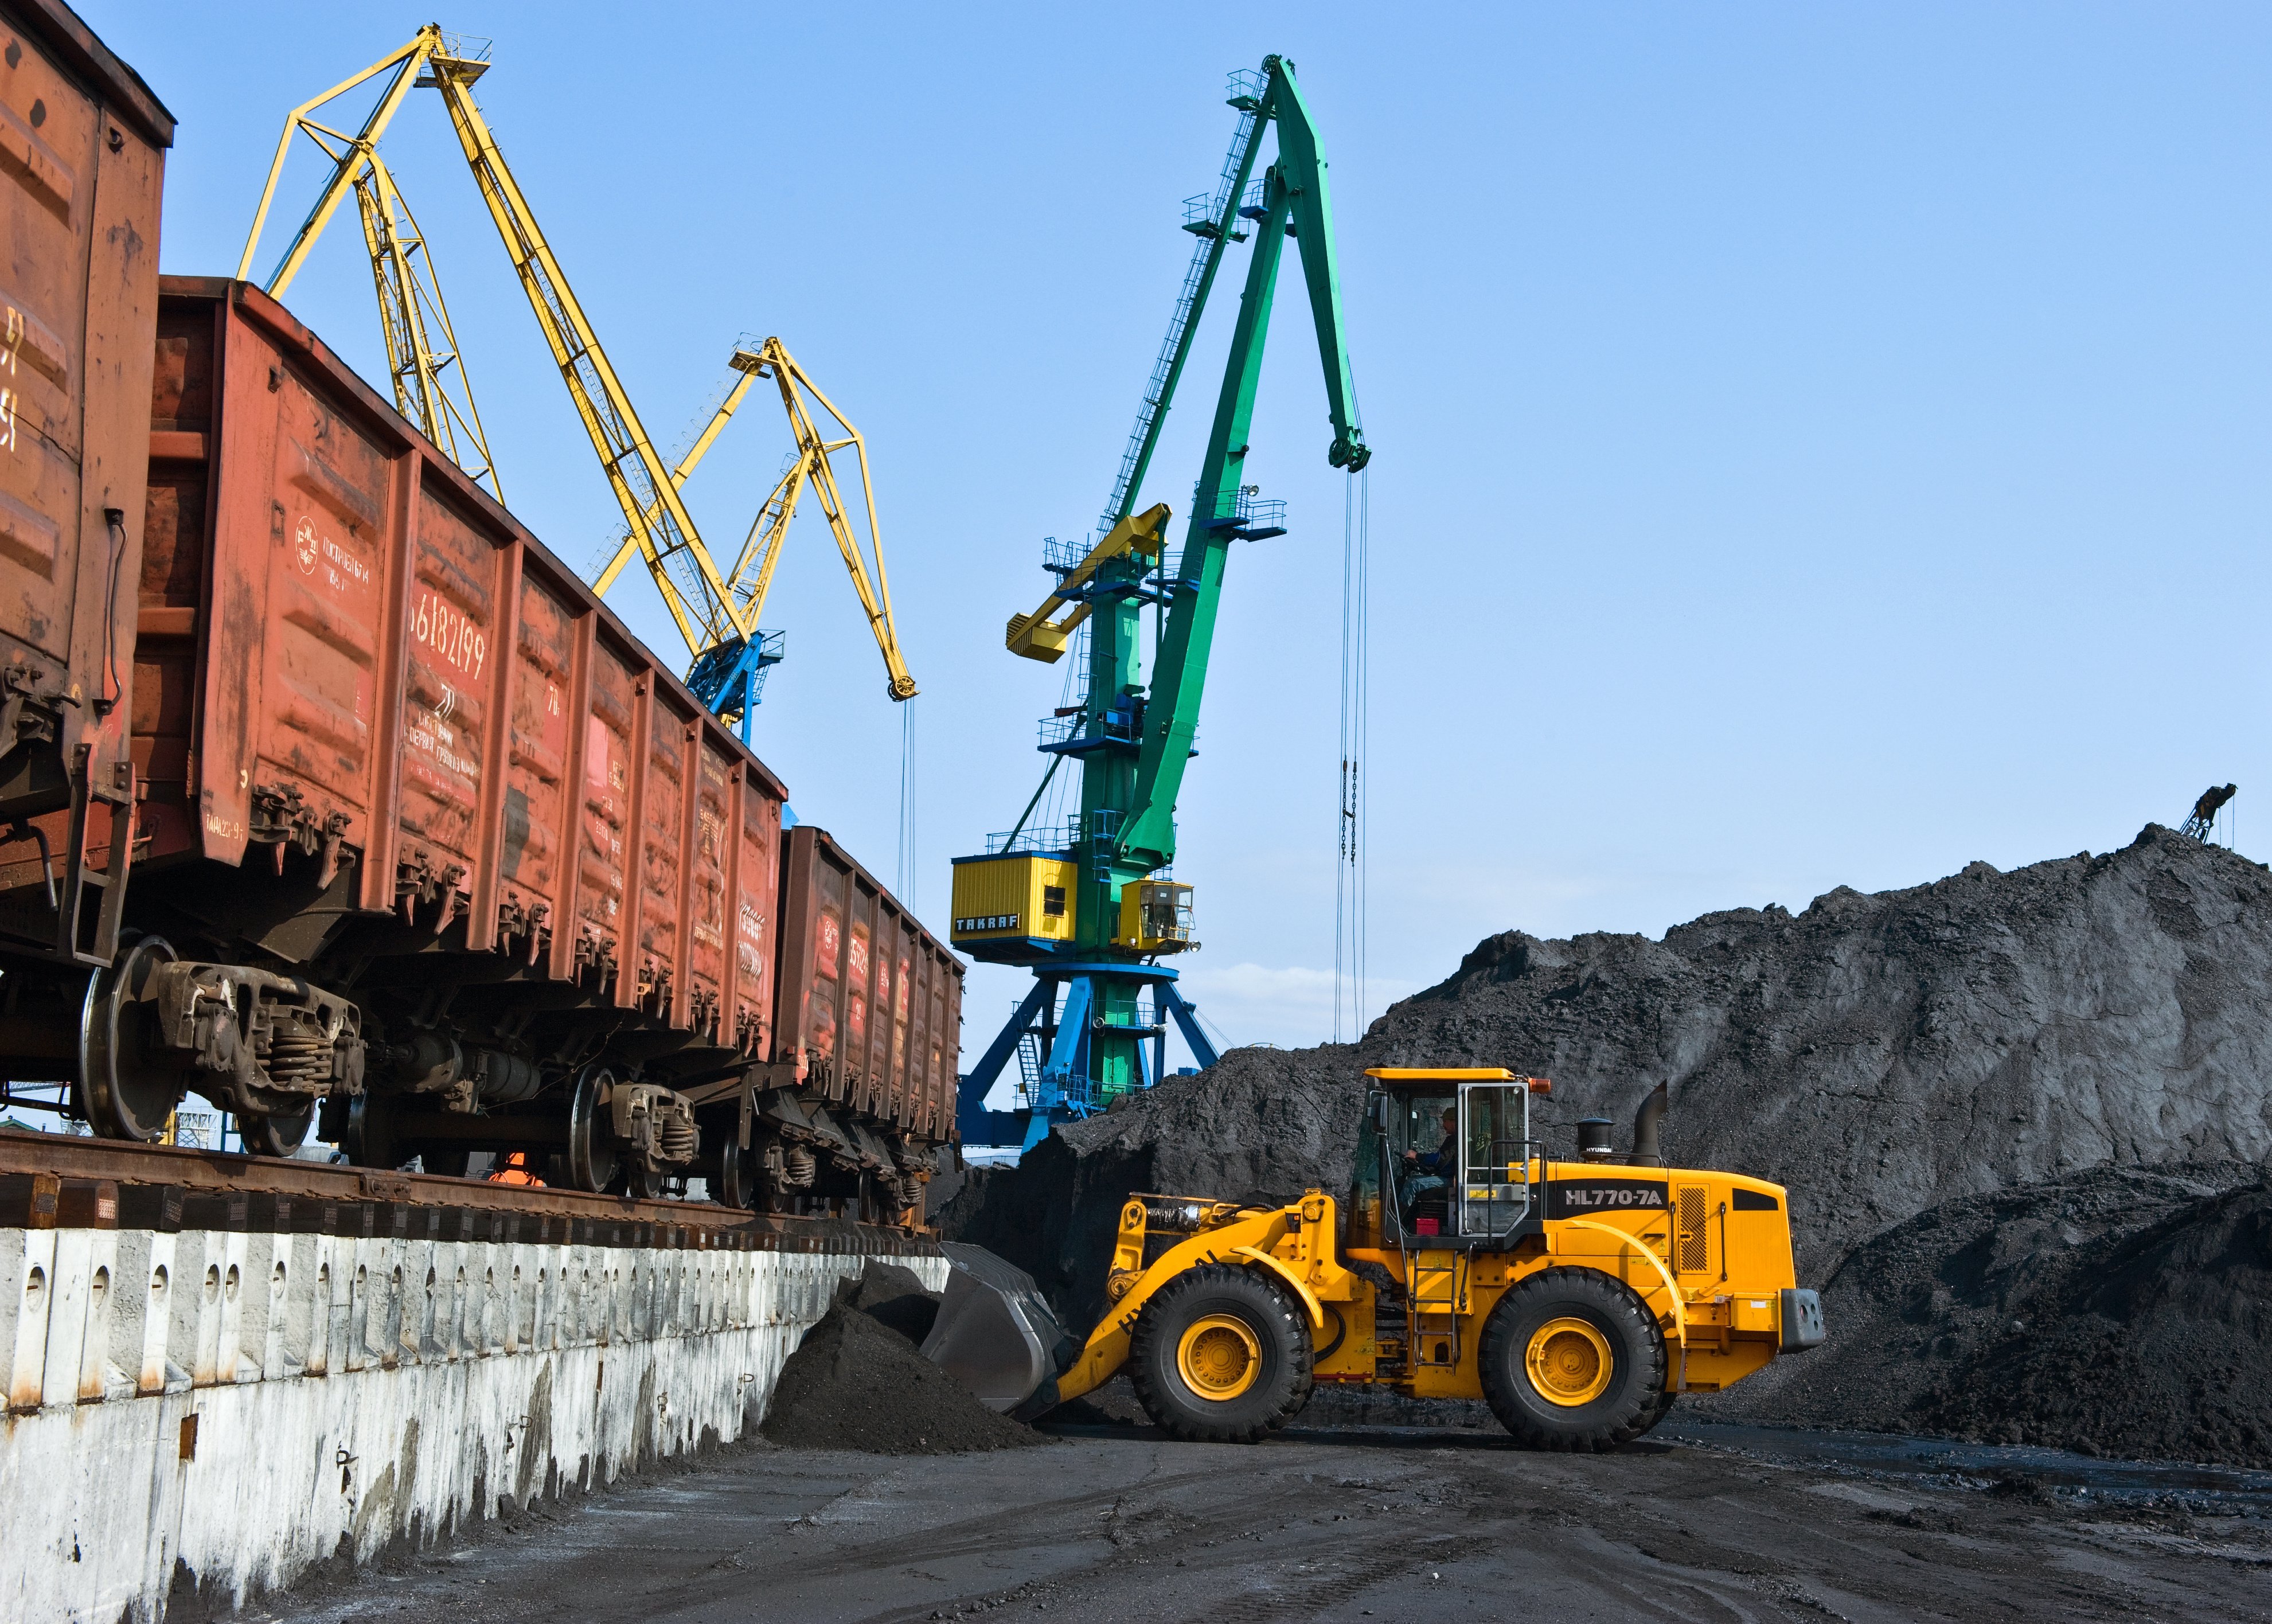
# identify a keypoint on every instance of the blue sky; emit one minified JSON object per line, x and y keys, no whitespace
{"x":1815,"y":445}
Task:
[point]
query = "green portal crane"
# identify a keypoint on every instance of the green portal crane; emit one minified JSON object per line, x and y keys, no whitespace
{"x":1086,"y":904}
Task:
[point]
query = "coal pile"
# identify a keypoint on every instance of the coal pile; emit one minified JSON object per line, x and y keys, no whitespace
{"x":2122,"y":1312}
{"x":893,"y":1297}
{"x":858,"y":1382}
{"x":2160,"y":1345}
{"x":1886,"y":1056}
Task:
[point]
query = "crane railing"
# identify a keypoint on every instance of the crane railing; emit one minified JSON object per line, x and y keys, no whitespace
{"x":1214,"y":224}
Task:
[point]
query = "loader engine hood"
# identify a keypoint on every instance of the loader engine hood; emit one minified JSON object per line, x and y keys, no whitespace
{"x":994,"y":1333}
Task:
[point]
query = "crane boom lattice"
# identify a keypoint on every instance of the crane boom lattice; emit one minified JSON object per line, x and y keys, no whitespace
{"x":716,"y":612}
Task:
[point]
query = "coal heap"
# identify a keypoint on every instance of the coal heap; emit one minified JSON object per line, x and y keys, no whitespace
{"x":858,"y":1382}
{"x":1883,"y":1055}
{"x":2121,"y":1312}
{"x":893,"y":1297}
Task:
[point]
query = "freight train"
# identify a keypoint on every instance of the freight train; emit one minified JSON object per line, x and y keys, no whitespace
{"x":328,"y":793}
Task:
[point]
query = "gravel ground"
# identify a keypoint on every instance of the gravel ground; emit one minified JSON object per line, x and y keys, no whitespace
{"x":1699,"y":1523}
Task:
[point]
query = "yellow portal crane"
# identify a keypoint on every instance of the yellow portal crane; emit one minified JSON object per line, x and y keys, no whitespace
{"x":430,"y":386}
{"x":719,"y":625}
{"x":727,"y":676}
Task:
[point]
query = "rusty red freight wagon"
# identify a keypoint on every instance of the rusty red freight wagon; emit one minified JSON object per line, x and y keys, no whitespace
{"x":870,"y":1002}
{"x":82,"y":163}
{"x":424,"y":837}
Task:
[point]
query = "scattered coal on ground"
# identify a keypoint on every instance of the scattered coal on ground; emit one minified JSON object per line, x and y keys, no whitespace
{"x":1932,"y":1050}
{"x":858,"y":1382}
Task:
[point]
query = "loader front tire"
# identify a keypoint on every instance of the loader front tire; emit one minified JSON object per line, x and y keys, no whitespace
{"x":1219,"y":1355}
{"x":1572,"y":1359}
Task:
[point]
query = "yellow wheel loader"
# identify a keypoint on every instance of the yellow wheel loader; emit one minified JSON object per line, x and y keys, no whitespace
{"x":1578,"y":1298}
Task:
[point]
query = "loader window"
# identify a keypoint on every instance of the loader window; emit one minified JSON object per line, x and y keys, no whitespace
{"x":1423,"y":1150}
{"x":1367,"y":1223}
{"x":1494,"y":1188}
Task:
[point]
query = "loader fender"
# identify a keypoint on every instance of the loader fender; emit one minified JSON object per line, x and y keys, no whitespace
{"x":1627,"y":1242}
{"x":1293,"y":1283}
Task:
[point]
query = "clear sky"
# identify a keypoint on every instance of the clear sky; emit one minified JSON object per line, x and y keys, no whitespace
{"x":1814,"y":444}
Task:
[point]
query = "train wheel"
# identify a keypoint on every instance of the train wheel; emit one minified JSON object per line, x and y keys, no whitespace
{"x":276,"y":1136}
{"x":370,"y":1139}
{"x":641,"y":1182}
{"x":737,"y":1177}
{"x":124,"y":1095}
{"x":592,"y":1159}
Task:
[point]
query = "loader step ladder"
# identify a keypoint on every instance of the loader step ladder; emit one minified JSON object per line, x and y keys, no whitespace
{"x":1436,"y":1302}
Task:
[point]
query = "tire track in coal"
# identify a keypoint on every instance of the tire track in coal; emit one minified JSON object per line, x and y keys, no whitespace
{"x":1131,"y":1577}
{"x":984,"y":1535}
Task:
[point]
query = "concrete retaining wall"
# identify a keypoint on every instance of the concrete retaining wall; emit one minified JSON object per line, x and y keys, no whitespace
{"x":213,"y":1411}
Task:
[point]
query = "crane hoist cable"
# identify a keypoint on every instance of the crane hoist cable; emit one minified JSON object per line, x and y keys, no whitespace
{"x":1350,"y":871}
{"x":718,"y":623}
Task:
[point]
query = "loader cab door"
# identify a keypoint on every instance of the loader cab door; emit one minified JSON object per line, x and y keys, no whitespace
{"x":1369,"y":1216}
{"x":1496,"y":1157}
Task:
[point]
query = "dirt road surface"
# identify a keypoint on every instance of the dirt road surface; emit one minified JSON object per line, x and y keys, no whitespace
{"x":1700,"y":1521}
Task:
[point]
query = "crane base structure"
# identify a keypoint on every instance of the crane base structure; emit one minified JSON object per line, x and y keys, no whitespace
{"x":1053,"y":1039}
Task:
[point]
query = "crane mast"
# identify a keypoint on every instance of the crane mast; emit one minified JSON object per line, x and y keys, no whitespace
{"x":1090,"y":905}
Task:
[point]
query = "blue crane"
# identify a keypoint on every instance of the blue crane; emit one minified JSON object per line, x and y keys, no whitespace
{"x":1090,"y":905}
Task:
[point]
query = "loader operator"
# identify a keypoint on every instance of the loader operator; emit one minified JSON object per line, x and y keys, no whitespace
{"x":1432,"y":1170}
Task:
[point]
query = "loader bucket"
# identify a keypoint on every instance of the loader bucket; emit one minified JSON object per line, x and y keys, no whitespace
{"x":994,"y":1333}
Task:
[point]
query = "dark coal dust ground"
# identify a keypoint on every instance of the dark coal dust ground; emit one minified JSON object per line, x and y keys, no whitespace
{"x":1701,"y":1522}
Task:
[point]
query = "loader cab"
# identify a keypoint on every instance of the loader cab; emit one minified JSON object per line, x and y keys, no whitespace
{"x":1485,"y":1193}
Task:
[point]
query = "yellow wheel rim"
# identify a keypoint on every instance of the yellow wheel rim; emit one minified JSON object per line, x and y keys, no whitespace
{"x":1570,"y":1362}
{"x":1219,"y":1356}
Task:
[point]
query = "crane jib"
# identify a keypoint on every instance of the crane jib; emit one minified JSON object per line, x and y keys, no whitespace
{"x":715,"y":613}
{"x":1293,"y":190}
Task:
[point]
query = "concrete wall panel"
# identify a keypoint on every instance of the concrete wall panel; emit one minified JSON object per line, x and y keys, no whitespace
{"x":219,"y":1410}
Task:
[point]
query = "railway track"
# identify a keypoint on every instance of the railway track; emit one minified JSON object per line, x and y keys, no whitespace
{"x":61,"y":1181}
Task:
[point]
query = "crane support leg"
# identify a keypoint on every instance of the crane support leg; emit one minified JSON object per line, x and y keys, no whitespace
{"x":1187,"y":1022}
{"x":979,"y":1125}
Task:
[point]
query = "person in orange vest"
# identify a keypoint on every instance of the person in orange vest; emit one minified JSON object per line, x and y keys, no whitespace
{"x":517,"y":1168}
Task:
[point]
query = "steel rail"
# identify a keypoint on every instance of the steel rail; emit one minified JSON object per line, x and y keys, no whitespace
{"x":199,"y":1172}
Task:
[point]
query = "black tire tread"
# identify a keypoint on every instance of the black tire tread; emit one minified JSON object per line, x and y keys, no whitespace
{"x":1643,"y":1401}
{"x":1163,"y":1322}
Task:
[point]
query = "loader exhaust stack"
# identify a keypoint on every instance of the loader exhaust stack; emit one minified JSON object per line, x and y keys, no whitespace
{"x":1648,"y":1150}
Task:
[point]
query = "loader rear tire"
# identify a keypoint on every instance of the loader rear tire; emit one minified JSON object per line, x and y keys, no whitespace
{"x":1219,"y":1355}
{"x":1663,"y":1409}
{"x":1572,"y":1359}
